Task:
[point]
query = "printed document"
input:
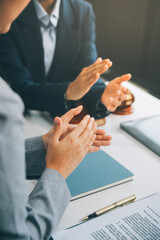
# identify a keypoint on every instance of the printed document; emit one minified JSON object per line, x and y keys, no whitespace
{"x":136,"y":221}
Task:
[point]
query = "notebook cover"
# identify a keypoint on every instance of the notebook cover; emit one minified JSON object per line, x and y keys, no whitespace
{"x":96,"y":172}
{"x":145,"y":130}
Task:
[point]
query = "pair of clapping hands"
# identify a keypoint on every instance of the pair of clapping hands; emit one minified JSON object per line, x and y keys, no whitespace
{"x":114,"y":93}
{"x":66,"y":145}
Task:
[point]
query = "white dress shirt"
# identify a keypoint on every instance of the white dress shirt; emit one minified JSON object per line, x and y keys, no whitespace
{"x":48,"y":25}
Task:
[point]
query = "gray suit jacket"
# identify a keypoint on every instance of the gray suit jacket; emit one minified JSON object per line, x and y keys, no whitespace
{"x":37,"y":216}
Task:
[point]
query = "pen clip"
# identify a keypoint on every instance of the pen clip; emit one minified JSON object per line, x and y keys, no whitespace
{"x":125,"y":201}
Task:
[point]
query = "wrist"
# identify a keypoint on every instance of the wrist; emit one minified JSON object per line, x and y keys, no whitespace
{"x":71,"y":93}
{"x":68,"y":94}
{"x":45,"y":141}
{"x":56,"y":168}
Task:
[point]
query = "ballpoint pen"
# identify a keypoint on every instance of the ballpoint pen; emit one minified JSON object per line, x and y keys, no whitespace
{"x":110,"y":207}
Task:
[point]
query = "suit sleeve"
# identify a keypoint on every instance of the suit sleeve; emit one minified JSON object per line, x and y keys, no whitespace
{"x":22,"y":218}
{"x":35,"y":157}
{"x":40,"y":96}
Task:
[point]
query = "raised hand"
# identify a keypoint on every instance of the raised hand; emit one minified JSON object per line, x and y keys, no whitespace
{"x":64,"y":155}
{"x":114,"y":93}
{"x":101,"y":138}
{"x":86,"y":79}
{"x":66,"y":127}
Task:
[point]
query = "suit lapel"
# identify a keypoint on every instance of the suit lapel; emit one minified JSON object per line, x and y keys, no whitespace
{"x":65,"y":46}
{"x":32,"y":41}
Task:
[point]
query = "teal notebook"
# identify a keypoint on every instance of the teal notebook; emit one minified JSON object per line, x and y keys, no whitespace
{"x":96,"y":172}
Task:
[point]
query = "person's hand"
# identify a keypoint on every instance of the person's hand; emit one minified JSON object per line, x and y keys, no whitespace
{"x":64,"y":155}
{"x":101,"y":138}
{"x":86,"y":79}
{"x":66,"y":127}
{"x":114,"y":93}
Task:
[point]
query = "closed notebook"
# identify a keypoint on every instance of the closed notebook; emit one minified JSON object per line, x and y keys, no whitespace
{"x":145,"y":130}
{"x":96,"y":172}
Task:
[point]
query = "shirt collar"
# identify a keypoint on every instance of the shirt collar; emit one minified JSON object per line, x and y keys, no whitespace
{"x":43,"y":16}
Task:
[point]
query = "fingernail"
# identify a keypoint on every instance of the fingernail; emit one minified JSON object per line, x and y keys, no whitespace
{"x":56,"y":120}
{"x":87,"y":116}
{"x":92,"y":119}
{"x":79,"y":106}
{"x":100,"y":59}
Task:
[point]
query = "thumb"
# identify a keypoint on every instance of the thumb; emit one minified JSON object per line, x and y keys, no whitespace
{"x":123,"y":78}
{"x":57,"y":129}
{"x":71,"y":113}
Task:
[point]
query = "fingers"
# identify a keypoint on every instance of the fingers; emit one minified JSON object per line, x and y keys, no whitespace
{"x":111,"y":108}
{"x":126,"y":91}
{"x":89,"y":138}
{"x":92,"y":77}
{"x":108,"y":62}
{"x":101,"y":143}
{"x":103,"y":137}
{"x":102,"y":140}
{"x":56,"y":133}
{"x":98,"y":63}
{"x":122,"y":94}
{"x":94,"y":149}
{"x":86,"y":79}
{"x":71,"y":113}
{"x":98,"y":68}
{"x":115,"y":102}
{"x":98,"y":60}
{"x":89,"y":131}
{"x":81,"y":126}
{"x":100,"y":132}
{"x":89,"y":143}
{"x":123,"y":78}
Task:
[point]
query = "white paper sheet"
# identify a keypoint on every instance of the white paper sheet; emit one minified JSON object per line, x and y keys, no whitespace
{"x":136,"y":221}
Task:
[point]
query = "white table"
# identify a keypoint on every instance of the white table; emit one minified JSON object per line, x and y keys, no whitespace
{"x":137,"y":158}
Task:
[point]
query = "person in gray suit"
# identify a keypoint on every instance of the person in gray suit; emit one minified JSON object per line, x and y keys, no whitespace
{"x":53,"y":156}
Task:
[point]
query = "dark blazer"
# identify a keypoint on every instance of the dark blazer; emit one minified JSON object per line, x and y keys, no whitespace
{"x":22,"y":57}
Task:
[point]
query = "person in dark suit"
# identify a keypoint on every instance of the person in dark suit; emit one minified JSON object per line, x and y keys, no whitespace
{"x":50,"y":59}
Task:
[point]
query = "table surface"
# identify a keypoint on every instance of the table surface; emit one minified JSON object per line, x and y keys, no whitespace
{"x":128,"y":151}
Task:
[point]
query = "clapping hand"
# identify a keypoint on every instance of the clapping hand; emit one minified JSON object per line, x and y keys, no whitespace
{"x":86,"y":79}
{"x":114,"y":93}
{"x":101,"y":139}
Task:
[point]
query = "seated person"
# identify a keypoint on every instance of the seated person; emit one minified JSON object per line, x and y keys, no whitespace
{"x":37,"y":216}
{"x":49,"y":59}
